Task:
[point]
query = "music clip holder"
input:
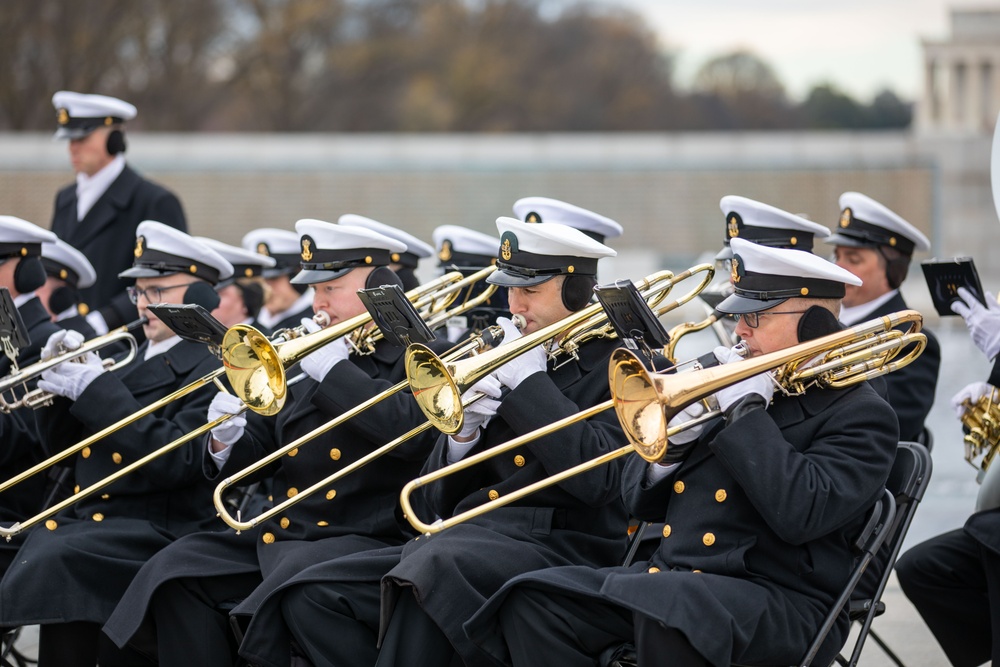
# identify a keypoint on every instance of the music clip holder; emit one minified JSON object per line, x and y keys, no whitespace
{"x":395,"y":316}
{"x":191,"y":322}
{"x":13,"y":333}
{"x":634,"y":321}
{"x":945,"y":276}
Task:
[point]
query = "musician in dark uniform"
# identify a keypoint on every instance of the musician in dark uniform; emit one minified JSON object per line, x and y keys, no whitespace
{"x":759,"y":508}
{"x":954,"y":579}
{"x":173,"y":609}
{"x":99,"y":214}
{"x":287,"y":303}
{"x":242,"y":296}
{"x":22,"y":274}
{"x":432,"y":585}
{"x":404,"y":264}
{"x":468,"y":251}
{"x":67,"y":271}
{"x":72,"y":570}
{"x":876,"y":244}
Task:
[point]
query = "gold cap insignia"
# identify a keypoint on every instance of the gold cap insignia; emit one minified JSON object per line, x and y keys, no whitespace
{"x":445,"y":253}
{"x":262,"y":250}
{"x":845,"y":217}
{"x":733,"y":226}
{"x":138,"y":246}
{"x":62,"y":116}
{"x":306,"y":252}
{"x":532,"y":217}
{"x":735,"y":270}
{"x":505,"y":250}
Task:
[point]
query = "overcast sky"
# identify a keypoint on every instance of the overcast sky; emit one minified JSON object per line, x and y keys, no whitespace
{"x":862,"y":46}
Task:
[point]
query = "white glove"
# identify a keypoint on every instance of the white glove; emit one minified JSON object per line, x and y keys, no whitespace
{"x":71,"y":378}
{"x":972,"y":393}
{"x":479,"y":413}
{"x":317,"y":364}
{"x":309,"y":324}
{"x":231,"y":430}
{"x":517,"y":369}
{"x":983,"y":321}
{"x":692,"y":411}
{"x":61,"y":341}
{"x":760,"y":384}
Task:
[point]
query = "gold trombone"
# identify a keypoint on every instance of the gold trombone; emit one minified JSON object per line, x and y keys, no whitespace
{"x":255,"y":369}
{"x":646,"y":402}
{"x":982,"y":420}
{"x":36,"y":398}
{"x":438,"y":385}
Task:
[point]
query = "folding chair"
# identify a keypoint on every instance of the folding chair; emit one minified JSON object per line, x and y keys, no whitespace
{"x":908,"y":480}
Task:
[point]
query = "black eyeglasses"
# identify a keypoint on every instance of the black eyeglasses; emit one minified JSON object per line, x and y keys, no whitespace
{"x":152,"y":294}
{"x":753,"y":319}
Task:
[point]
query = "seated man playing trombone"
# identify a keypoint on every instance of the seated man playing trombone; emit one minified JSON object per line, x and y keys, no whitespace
{"x":174,"y":609}
{"x":431,"y":585}
{"x":758,"y":506}
{"x":70,"y":573}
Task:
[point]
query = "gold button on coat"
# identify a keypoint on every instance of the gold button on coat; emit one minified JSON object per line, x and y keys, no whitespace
{"x":268,"y":538}
{"x":708,"y":539}
{"x":116,"y":457}
{"x":51,"y":524}
{"x":666,"y":530}
{"x":85,"y":452}
{"x":493,"y":494}
{"x":322,"y":523}
{"x":292,"y":492}
{"x":331,"y":494}
{"x":284,"y":522}
{"x":653,"y":570}
{"x":519,"y":461}
{"x":293,"y":452}
{"x":720,"y":495}
{"x":678,"y":487}
{"x":335,"y":454}
{"x":97,"y":516}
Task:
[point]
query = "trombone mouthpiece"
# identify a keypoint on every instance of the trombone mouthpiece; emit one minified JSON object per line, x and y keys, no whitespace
{"x":519,"y":322}
{"x":742,"y":349}
{"x":322,"y":319}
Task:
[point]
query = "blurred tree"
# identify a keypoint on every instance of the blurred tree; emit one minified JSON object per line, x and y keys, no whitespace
{"x":888,"y":111}
{"x":747,"y":93}
{"x":828,"y":108}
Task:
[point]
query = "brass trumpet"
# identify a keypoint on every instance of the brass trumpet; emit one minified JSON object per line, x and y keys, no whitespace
{"x":36,"y":398}
{"x":646,"y":402}
{"x":255,"y":369}
{"x":438,"y":386}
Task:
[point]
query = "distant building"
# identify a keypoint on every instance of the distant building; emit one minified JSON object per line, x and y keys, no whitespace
{"x":962,"y":76}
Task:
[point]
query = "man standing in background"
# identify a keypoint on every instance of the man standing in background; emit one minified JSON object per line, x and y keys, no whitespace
{"x":99,"y":214}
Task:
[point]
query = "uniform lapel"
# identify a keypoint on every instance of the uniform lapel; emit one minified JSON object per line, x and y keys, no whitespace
{"x":106,"y":209}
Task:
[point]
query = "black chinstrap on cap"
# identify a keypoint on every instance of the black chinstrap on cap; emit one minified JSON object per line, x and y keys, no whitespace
{"x":11,"y":249}
{"x":531,"y":265}
{"x":90,"y":122}
{"x":777,"y":238}
{"x":166,"y":263}
{"x":335,"y":260}
{"x":873,"y":235}
{"x":61,"y":271}
{"x":768,"y":287}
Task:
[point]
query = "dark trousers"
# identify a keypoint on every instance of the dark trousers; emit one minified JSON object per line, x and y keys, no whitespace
{"x":81,"y":644}
{"x":334,"y":625}
{"x":191,"y":626}
{"x":954,"y":582}
{"x":545,"y":628}
{"x":413,"y":639}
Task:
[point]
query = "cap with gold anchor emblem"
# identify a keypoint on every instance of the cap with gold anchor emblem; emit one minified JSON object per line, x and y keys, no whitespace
{"x":531,"y":254}
{"x":328,"y":251}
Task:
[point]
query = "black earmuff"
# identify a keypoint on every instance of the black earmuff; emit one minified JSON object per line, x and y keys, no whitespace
{"x":817,"y":322}
{"x":382,"y":275}
{"x":202,"y":294}
{"x":29,"y":274}
{"x":407,"y":277}
{"x":63,"y":298}
{"x":253,"y":297}
{"x":577,"y":291}
{"x":896,"y":270}
{"x":116,"y":142}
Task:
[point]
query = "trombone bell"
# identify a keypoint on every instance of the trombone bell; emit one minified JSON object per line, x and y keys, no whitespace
{"x":254,"y":369}
{"x":636,"y":402}
{"x":434,"y":388}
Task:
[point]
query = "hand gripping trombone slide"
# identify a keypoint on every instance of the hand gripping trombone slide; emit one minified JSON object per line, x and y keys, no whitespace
{"x":255,"y":367}
{"x":646,"y":402}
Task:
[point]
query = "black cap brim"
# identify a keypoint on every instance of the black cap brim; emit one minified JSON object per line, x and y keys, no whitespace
{"x":734,"y":304}
{"x":848,"y":241}
{"x":144,"y":272}
{"x":72,"y":132}
{"x":504,"y":279}
{"x":313,"y":277}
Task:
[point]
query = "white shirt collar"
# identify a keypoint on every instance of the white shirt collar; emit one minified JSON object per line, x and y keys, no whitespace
{"x":854,"y":314}
{"x":160,"y":347}
{"x":22,"y":299}
{"x":72,"y":311}
{"x":90,"y":188}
